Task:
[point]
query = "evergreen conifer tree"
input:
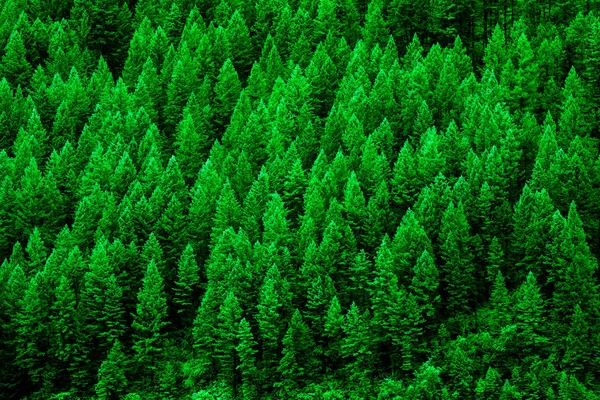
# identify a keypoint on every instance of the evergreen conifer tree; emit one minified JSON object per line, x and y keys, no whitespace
{"x":149,"y":322}
{"x":112,"y":381}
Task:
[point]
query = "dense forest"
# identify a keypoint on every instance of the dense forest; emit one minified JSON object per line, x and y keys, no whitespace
{"x":299,"y":199}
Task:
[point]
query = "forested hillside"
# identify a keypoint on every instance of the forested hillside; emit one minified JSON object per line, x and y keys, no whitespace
{"x":299,"y":199}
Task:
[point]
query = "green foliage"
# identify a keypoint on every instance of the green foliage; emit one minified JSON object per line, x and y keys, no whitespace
{"x":187,"y":285}
{"x":111,"y":377}
{"x":247,"y":366}
{"x":227,"y":92}
{"x":15,"y":67}
{"x":299,"y":199}
{"x":149,"y":322}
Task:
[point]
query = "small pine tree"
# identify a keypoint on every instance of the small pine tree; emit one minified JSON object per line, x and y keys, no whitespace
{"x":187,"y":285}
{"x":246,"y":350}
{"x":112,"y":382}
{"x":149,"y":322}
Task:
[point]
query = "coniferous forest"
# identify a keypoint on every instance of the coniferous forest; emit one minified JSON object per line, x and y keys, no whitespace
{"x":299,"y":199}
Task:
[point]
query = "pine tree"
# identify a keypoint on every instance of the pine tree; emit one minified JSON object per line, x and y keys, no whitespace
{"x":404,"y":183}
{"x":113,"y":318}
{"x":357,"y":346}
{"x":577,"y":353}
{"x":204,"y":196}
{"x":227,"y":214}
{"x":138,"y":52}
{"x":529,"y":317}
{"x":294,"y":189}
{"x":321,"y":73}
{"x":275,"y":223}
{"x":149,"y":322}
{"x":458,"y":273}
{"x":424,"y":286}
{"x":269,"y":326}
{"x":375,"y":30}
{"x":15,"y":67}
{"x":298,"y":363}
{"x":227,"y":92}
{"x":182,"y":83}
{"x":191,"y":143}
{"x":408,"y":245}
{"x":36,"y":253}
{"x":572,"y":268}
{"x":203,"y":338}
{"x":172,"y":232}
{"x":187,"y":286}
{"x":489,"y":387}
{"x":14,"y":287}
{"x":500,"y":302}
{"x":428,"y":383}
{"x":100,"y":298}
{"x":377,"y":209}
{"x":354,"y":208}
{"x":247,"y":365}
{"x":32,"y":341}
{"x":239,"y":37}
{"x":31,"y":209}
{"x":230,"y":313}
{"x":112,"y":382}
{"x":334,"y":322}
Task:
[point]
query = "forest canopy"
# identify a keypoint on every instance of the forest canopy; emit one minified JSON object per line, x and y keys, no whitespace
{"x":299,"y":199}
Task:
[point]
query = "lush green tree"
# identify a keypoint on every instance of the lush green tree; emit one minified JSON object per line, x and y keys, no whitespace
{"x":149,"y":323}
{"x":377,"y":209}
{"x":183,"y":82}
{"x":100,"y":306}
{"x":36,"y":253}
{"x":247,"y":362}
{"x":109,"y":27}
{"x":187,"y":286}
{"x":32,"y":342}
{"x":14,"y":287}
{"x":15,"y":67}
{"x":532,"y":222}
{"x":275,"y":222}
{"x":408,"y":245}
{"x":321,"y":73}
{"x":357,"y":347}
{"x":30,"y":200}
{"x":298,"y":363}
{"x":424,"y":286}
{"x":573,"y":266}
{"x":460,"y":366}
{"x":490,"y":385}
{"x":577,"y":351}
{"x":529,"y":317}
{"x":191,"y":142}
{"x":138,"y":52}
{"x":112,"y":381}
{"x":228,"y":212}
{"x":294,"y":188}
{"x":227,"y":327}
{"x":227,"y":92}
{"x":241,"y":46}
{"x":457,"y":274}
{"x":270,"y":328}
{"x":500,"y":302}
{"x":404,"y":183}
{"x":428,"y":383}
{"x":203,"y":205}
{"x":172,"y":232}
{"x":334,"y":322}
{"x":201,"y":367}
